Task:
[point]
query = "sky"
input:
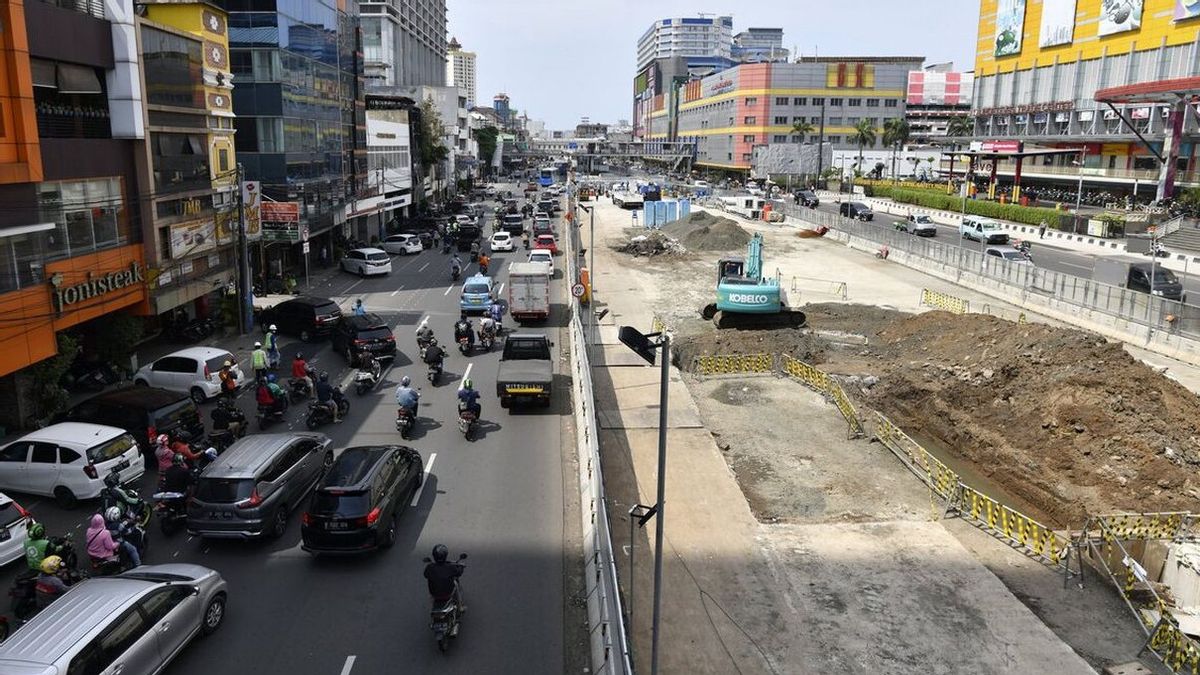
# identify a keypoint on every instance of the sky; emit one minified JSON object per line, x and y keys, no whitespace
{"x":560,"y":60}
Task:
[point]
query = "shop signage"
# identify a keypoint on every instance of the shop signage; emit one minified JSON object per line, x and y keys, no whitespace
{"x":1056,"y":106}
{"x":1001,"y":146}
{"x":94,"y":286}
{"x":281,"y":212}
{"x":720,"y":87}
{"x":191,"y":238}
{"x":252,"y":205}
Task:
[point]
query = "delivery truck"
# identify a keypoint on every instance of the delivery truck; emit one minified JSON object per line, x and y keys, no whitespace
{"x":528,"y":292}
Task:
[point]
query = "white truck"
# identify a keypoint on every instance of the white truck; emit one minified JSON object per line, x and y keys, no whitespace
{"x":528,"y":292}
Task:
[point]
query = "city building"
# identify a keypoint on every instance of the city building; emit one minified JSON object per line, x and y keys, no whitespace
{"x":387,"y":196}
{"x":403,"y":41}
{"x":588,"y":129}
{"x":450,"y":103}
{"x":1037,"y":73}
{"x":301,"y":122}
{"x":460,"y":70}
{"x":759,"y":45}
{"x":70,"y":226}
{"x":730,"y":112}
{"x":700,"y":36}
{"x":500,"y":104}
{"x":189,"y":159}
{"x":935,"y":96}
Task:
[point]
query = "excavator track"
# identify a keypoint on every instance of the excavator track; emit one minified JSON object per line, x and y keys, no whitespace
{"x":787,"y":318}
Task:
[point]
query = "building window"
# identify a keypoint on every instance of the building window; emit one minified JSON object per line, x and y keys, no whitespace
{"x":835,"y":101}
{"x":745,"y":157}
{"x":781,"y":100}
{"x":800,"y":101}
{"x":69,"y":100}
{"x":820,"y":100}
{"x":752,"y":101}
{"x":890,"y":103}
{"x":852,"y":120}
{"x":223,"y":160}
{"x":815,"y":120}
{"x":173,"y":67}
{"x":750,"y":120}
{"x":781,"y":120}
{"x":872,"y":103}
{"x":833,"y":139}
{"x":89,"y":214}
{"x":780,"y":139}
{"x":749,"y":138}
{"x":854,"y":102}
{"x":180,"y":162}
{"x":835,"y":121}
{"x":814,"y":139}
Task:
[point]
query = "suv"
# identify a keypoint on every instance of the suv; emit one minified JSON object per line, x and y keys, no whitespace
{"x":367,"y":332}
{"x":367,"y":261}
{"x":307,"y":317}
{"x":807,"y":198}
{"x":136,"y":622}
{"x":982,"y":230}
{"x":142,"y":411}
{"x":69,"y":461}
{"x":355,"y":506}
{"x":193,"y":371}
{"x":857,"y":210}
{"x":248,"y":492}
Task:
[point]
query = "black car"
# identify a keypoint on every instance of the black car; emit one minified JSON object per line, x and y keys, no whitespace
{"x":142,"y":411}
{"x":366,"y":332}
{"x":807,"y":198}
{"x":307,"y":317}
{"x":856,"y":210}
{"x":353,"y":509}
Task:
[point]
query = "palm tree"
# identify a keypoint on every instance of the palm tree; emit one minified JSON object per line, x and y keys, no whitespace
{"x":895,"y":134}
{"x":802,"y":128}
{"x":960,"y":126}
{"x":863,"y":135}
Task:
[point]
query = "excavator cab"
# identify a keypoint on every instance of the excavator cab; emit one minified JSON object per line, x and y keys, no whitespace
{"x":730,"y":268}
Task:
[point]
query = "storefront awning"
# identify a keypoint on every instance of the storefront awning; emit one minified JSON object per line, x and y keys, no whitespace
{"x":73,"y":79}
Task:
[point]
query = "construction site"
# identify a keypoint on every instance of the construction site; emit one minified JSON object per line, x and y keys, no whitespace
{"x":896,"y":485}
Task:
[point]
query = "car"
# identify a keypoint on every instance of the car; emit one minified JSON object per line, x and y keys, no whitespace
{"x":856,"y":210}
{"x":1010,"y":254}
{"x":136,"y":622}
{"x":251,"y":489}
{"x":477,"y":294}
{"x":367,"y":261}
{"x":13,"y":523}
{"x":363,"y":332}
{"x":308,"y":317}
{"x":353,"y":509}
{"x":546,"y":241}
{"x":194,"y":371}
{"x":144,"y":412}
{"x":542,"y":227}
{"x":401,"y":244}
{"x":807,"y":198}
{"x":69,"y":461}
{"x":982,"y":230}
{"x":501,"y":241}
{"x":464,"y":219}
{"x":918,"y":224}
{"x":542,"y":255}
{"x":490,"y":191}
{"x":426,"y":238}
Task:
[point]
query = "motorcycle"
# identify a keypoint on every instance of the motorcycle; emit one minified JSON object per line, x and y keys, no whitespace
{"x":486,"y":340}
{"x":424,"y":344}
{"x":406,"y":421}
{"x":467,"y":422}
{"x":125,"y":499}
{"x":455,"y":272}
{"x":268,"y":414}
{"x":319,"y":415}
{"x":367,"y":375}
{"x":1157,"y":251}
{"x":434,"y":372}
{"x":172,"y":511}
{"x":185,"y":330}
{"x":229,"y":424}
{"x":298,"y":389}
{"x":130,"y":532}
{"x":23,"y":596}
{"x":445,"y":617}
{"x":93,"y":377}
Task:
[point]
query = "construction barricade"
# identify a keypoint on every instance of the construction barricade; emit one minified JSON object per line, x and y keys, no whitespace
{"x":944,"y":301}
{"x":733,"y":364}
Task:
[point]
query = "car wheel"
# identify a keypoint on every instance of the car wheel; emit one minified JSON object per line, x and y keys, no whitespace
{"x":198,"y":395}
{"x":279,"y":522}
{"x":65,"y":497}
{"x":214,"y":614}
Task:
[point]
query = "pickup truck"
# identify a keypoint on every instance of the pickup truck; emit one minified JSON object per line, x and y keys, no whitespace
{"x":526,"y":370}
{"x":982,"y":230}
{"x":528,"y":292}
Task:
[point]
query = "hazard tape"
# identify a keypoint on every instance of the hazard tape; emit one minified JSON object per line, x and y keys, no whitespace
{"x":944,"y":301}
{"x":731,"y":364}
{"x":1013,"y":525}
{"x":1177,"y":650}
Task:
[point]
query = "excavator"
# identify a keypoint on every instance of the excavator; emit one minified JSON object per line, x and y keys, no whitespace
{"x":748,"y":300}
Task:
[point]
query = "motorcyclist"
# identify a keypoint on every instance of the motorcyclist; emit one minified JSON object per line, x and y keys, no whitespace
{"x":455,"y":265}
{"x":300,"y":372}
{"x":228,"y":380}
{"x":462,"y":328}
{"x":442,"y":578}
{"x":325,"y":395}
{"x":35,"y":545}
{"x":270,"y":397}
{"x":406,"y":396}
{"x":474,"y":250}
{"x":496,"y":311}
{"x":101,"y":546}
{"x":223,"y":416}
{"x":50,"y":584}
{"x":163,"y":452}
{"x":434,"y":355}
{"x":180,"y":446}
{"x":121,"y":529}
{"x":468,"y":399}
{"x":487,"y":327}
{"x":483,"y":262}
{"x":424,"y":335}
{"x":178,"y":478}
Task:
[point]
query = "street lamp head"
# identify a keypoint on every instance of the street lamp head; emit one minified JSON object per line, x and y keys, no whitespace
{"x":638,"y":342}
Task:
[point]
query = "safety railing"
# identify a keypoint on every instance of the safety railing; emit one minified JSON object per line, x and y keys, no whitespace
{"x":822,"y":383}
{"x":834,"y":288}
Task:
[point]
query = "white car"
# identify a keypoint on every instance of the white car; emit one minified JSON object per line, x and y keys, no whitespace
{"x":464,"y":219}
{"x":194,"y":371}
{"x":543,"y":255}
{"x":13,"y":521}
{"x":501,"y":241}
{"x":69,"y":461}
{"x":367,"y":261}
{"x":401,"y":244}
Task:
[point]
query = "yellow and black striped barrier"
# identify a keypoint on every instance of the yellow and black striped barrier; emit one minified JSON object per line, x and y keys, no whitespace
{"x":939,"y":477}
{"x":1014,"y":526}
{"x":944,"y":301}
{"x":733,"y":364}
{"x":1177,"y":650}
{"x":1143,"y":525}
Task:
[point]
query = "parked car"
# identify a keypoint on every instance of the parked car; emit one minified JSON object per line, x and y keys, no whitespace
{"x":476,"y":294}
{"x":308,"y":317}
{"x":918,"y":224}
{"x":546,"y":241}
{"x":543,"y":255}
{"x":136,"y":622}
{"x":13,"y":521}
{"x":355,"y":506}
{"x":367,"y":332}
{"x":501,"y":241}
{"x":143,"y":412}
{"x":856,"y":210}
{"x":193,"y":370}
{"x":367,"y":261}
{"x":69,"y":461}
{"x":252,"y":488}
{"x":402,"y":244}
{"x":807,"y":198}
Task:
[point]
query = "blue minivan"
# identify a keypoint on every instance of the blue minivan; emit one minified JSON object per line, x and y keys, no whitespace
{"x":476,"y":294}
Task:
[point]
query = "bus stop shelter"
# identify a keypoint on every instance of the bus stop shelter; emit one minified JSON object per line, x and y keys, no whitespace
{"x":1179,"y":94}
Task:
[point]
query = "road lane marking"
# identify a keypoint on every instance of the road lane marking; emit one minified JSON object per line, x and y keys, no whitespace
{"x":348,"y":665}
{"x":351,"y":286}
{"x":466,"y":374}
{"x":448,"y":289}
{"x":423,"y":267}
{"x":501,"y":290}
{"x":428,"y":466}
{"x":424,"y":320}
{"x":395,"y":292}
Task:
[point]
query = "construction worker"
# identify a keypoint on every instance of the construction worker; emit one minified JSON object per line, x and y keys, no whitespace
{"x":258,"y":361}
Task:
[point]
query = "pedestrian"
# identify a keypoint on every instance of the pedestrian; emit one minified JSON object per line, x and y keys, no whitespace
{"x":258,"y":361}
{"x":272,"y":346}
{"x":324,"y":256}
{"x":1042,"y":229}
{"x":359,"y":310}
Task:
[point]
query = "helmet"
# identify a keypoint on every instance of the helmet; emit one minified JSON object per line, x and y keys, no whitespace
{"x":299,"y":356}
{"x":177,"y":460}
{"x":257,"y":345}
{"x":271,"y":377}
{"x":324,"y":376}
{"x":111,"y":480}
{"x":467,"y":383}
{"x":440,"y":552}
{"x":51,"y":564}
{"x":112,"y":514}
{"x":162,"y":439}
{"x":272,"y":328}
{"x":36,"y":530}
{"x":211,"y":454}
{"x":405,"y":381}
{"x":228,"y":364}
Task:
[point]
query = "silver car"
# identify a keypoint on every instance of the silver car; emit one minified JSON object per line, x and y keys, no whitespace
{"x":136,"y":622}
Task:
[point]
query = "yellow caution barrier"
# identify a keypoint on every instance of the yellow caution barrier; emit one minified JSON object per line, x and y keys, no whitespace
{"x":1014,"y":526}
{"x":944,"y":301}
{"x":939,"y":477}
{"x":733,"y":364}
{"x":1179,"y":652}
{"x":1143,"y":525}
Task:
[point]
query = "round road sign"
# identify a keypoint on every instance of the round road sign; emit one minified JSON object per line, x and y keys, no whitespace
{"x":577,"y":290}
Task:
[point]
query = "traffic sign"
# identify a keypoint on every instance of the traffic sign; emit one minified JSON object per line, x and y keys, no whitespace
{"x":304,"y":249}
{"x":304,"y":237}
{"x":577,"y":290}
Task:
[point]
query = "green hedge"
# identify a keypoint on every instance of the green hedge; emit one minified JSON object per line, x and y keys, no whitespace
{"x":1030,"y":215}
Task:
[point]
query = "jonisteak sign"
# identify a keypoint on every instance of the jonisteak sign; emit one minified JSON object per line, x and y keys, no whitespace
{"x":94,"y":286}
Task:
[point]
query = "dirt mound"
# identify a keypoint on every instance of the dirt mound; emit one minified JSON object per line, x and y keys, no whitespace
{"x":649,"y":245}
{"x":797,"y":342}
{"x":702,"y":231}
{"x":1061,"y":418}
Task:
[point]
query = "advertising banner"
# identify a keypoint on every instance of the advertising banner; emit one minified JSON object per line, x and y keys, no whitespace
{"x":1010,"y":27}
{"x":252,"y":203}
{"x":281,"y":212}
{"x":1186,"y":9}
{"x":1120,"y":16}
{"x":1058,"y":22}
{"x":190,"y":238}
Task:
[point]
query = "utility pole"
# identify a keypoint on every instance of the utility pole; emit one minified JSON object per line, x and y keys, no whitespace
{"x":245,"y":309}
{"x":821,"y":143}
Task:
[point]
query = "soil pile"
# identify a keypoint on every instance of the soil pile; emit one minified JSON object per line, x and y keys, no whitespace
{"x":798,"y":342}
{"x":649,"y":245}
{"x":702,"y":231}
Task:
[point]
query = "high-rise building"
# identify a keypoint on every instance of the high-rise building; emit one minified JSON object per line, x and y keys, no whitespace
{"x":460,"y":70}
{"x":500,"y":104}
{"x":936,"y":95}
{"x":758,"y":45}
{"x":404,"y":42}
{"x":689,"y":37}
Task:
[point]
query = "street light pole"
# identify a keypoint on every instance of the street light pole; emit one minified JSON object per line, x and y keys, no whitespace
{"x":1079,"y":192}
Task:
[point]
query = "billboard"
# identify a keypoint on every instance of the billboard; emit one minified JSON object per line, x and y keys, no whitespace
{"x":191,"y":238}
{"x":1186,"y":9}
{"x":1120,"y":16}
{"x":1058,"y":23}
{"x":1010,"y":27}
{"x":252,"y":203}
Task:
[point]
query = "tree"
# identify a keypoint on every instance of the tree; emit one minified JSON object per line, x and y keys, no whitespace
{"x":802,"y":128}
{"x":431,"y":131}
{"x":960,"y":126}
{"x":895,"y":134}
{"x":486,"y":137}
{"x":862,"y":136}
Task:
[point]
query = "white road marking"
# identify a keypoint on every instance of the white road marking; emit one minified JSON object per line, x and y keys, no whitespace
{"x":448,"y":289}
{"x":395,"y":292}
{"x":500,"y":290}
{"x":423,"y":267}
{"x":428,"y":466}
{"x":466,"y":374}
{"x":349,"y":664}
{"x":348,"y":288}
{"x":424,"y":320}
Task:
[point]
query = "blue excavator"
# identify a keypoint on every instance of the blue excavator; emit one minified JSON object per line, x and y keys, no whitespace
{"x":748,"y":300}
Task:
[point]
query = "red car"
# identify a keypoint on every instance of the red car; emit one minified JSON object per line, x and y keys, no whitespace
{"x":547,"y":242}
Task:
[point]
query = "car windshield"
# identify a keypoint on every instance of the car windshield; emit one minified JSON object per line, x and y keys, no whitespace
{"x":1164,"y":276}
{"x":540,"y":257}
{"x":327,"y":310}
{"x":989,"y":226}
{"x":475,"y":288}
{"x":1012,"y":255}
{"x":223,"y":490}
{"x":339,"y":504}
{"x":110,"y":449}
{"x":923,"y":219}
{"x":217,"y":362}
{"x":378,"y":257}
{"x":9,"y":513}
{"x":500,"y":236}
{"x":525,"y":350}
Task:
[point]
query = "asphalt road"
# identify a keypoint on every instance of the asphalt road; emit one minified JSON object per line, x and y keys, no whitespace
{"x":500,"y":499}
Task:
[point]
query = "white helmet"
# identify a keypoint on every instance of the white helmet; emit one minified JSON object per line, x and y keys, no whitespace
{"x":272,"y":328}
{"x":405,"y":381}
{"x":112,"y":514}
{"x":257,"y":345}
